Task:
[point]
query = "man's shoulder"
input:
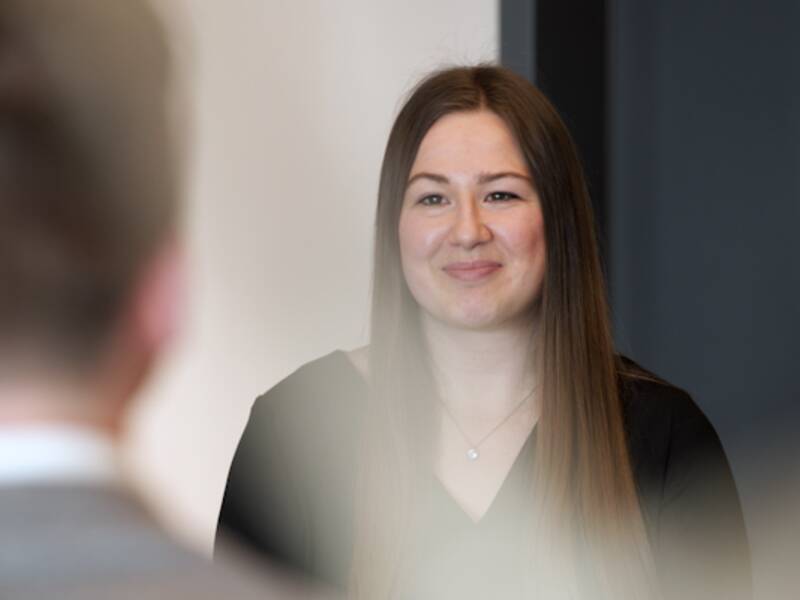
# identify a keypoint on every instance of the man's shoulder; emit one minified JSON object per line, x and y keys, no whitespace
{"x":76,"y":541}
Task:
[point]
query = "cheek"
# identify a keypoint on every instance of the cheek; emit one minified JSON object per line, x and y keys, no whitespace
{"x":419,"y":238}
{"x":525,"y":242}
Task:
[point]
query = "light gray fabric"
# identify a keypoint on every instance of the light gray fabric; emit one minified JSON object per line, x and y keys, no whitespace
{"x":88,"y":542}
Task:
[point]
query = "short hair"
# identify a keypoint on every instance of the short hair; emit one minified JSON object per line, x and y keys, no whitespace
{"x":87,"y":178}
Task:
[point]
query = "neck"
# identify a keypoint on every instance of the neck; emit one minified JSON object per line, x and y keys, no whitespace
{"x":481,"y":375}
{"x":52,"y":399}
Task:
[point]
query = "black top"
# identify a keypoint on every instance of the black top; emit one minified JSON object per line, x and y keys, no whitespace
{"x":291,"y":489}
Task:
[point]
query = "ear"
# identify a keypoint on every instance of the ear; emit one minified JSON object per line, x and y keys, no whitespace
{"x":160,"y":297}
{"x":151,"y":318}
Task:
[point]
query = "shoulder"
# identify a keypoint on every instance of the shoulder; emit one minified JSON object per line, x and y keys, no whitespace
{"x":303,"y":422}
{"x":675,"y":450}
{"x":328,"y":384}
{"x":127,"y":552}
{"x":668,"y":433}
{"x":655,"y":405}
{"x":291,"y":478}
{"x":688,"y":493}
{"x":320,"y":374}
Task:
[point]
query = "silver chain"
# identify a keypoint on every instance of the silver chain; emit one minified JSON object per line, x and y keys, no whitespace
{"x":472,"y":452}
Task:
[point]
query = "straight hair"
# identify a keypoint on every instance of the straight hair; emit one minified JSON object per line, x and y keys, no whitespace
{"x":587,"y":527}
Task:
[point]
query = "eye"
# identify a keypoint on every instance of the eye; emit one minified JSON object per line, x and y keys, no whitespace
{"x":431,"y":200}
{"x":501,"y":196}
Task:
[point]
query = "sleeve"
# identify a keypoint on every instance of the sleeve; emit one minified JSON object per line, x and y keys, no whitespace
{"x":701,"y":551}
{"x":264,"y":503}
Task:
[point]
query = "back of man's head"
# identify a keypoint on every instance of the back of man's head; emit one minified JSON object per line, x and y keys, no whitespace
{"x":87,"y":186}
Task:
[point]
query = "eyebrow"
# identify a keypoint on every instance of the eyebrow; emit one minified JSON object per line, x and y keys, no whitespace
{"x":482,"y":178}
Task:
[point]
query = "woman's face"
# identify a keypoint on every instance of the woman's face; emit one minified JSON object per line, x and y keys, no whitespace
{"x":471,"y":232}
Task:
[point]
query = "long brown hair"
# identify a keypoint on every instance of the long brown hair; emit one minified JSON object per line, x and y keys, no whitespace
{"x":584,"y":494}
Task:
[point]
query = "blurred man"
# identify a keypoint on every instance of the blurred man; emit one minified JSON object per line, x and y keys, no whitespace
{"x":89,"y":294}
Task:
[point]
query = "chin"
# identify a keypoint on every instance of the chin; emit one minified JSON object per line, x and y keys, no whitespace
{"x":485,"y":316}
{"x":473,"y":318}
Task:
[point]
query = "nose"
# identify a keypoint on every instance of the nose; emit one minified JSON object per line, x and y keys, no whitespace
{"x":470,"y":228}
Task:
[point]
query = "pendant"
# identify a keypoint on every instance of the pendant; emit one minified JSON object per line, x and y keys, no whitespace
{"x":472,"y":454}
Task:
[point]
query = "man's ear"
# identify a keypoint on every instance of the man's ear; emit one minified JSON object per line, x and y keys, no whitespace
{"x":160,"y":297}
{"x":150,"y":319}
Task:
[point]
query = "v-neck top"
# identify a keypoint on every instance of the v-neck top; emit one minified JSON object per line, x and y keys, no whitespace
{"x":291,"y":490}
{"x":454,"y":556}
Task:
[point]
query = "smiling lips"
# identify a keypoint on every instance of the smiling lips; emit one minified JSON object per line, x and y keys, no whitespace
{"x":474,"y":270}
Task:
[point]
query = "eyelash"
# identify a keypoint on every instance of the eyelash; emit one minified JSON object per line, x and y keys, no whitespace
{"x":505,"y":197}
{"x":427,"y":200}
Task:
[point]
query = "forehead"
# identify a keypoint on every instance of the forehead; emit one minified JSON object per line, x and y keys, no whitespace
{"x":469,"y":142}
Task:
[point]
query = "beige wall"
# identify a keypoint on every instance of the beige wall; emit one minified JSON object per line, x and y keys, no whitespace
{"x":291,"y":103}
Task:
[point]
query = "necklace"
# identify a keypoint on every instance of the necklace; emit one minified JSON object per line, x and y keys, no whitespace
{"x":473,"y":452}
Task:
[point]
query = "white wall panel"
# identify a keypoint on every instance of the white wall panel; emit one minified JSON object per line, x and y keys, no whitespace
{"x":290,"y":104}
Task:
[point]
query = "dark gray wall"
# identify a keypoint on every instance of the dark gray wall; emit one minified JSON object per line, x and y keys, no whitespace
{"x":518,"y":36}
{"x":704,"y":207}
{"x":560,"y":45}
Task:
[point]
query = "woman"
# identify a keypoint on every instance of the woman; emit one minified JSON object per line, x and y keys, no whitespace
{"x":489,"y":442}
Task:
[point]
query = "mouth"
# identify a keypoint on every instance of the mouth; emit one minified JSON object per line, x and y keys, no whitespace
{"x":473,"y":270}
